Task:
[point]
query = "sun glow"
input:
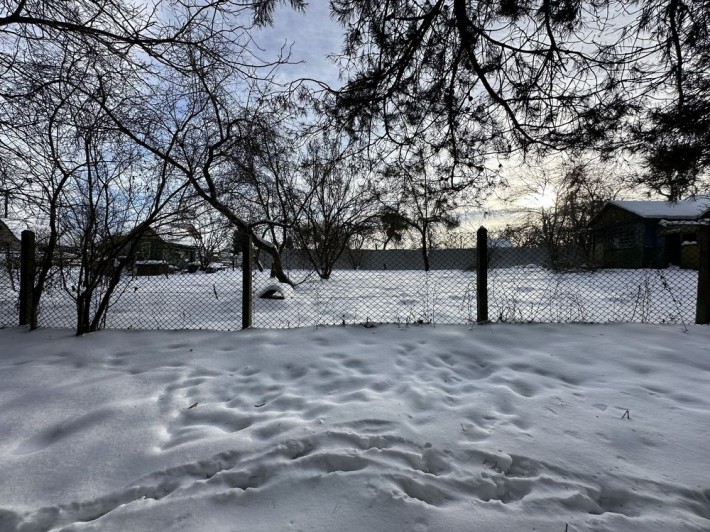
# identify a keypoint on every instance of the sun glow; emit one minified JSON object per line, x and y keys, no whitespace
{"x":544,"y":198}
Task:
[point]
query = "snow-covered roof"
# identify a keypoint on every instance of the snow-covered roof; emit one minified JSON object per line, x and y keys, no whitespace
{"x":17,"y":226}
{"x":175,"y":234}
{"x":683,"y":223}
{"x":150,"y":262}
{"x":687,"y":209}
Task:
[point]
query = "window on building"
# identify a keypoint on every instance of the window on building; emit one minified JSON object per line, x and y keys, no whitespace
{"x":622,"y":237}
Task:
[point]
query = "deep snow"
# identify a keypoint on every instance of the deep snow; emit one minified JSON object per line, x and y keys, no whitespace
{"x":498,"y":427}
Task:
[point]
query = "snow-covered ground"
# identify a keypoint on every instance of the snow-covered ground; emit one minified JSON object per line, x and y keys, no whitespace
{"x":496,"y":427}
{"x":519,"y":294}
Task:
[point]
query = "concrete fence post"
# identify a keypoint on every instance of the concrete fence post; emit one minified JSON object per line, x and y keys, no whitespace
{"x":482,"y":275}
{"x":702,"y":306}
{"x":247,"y":291}
{"x":27,"y":276}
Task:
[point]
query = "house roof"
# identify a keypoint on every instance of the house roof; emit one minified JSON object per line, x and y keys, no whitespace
{"x":681,"y":226}
{"x":16,"y":226}
{"x":687,"y":209}
{"x":684,"y":223}
{"x":176,"y":235}
{"x":173,"y":235}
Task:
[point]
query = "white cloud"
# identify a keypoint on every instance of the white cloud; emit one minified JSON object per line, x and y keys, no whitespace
{"x":312,"y":35}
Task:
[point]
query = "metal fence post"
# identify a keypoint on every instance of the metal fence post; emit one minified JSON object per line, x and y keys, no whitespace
{"x":702,"y":306}
{"x":27,"y":276}
{"x":482,"y":275}
{"x":247,"y":293}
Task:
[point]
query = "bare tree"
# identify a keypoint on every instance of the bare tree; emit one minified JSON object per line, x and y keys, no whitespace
{"x":95,"y":190}
{"x":104,"y":216}
{"x":331,"y":206}
{"x":205,"y":124}
{"x":208,"y":229}
{"x":414,"y":199}
{"x":262,"y":181}
{"x":179,"y":80}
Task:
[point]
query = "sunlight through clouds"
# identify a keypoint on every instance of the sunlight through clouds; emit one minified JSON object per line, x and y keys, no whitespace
{"x":544,"y":198}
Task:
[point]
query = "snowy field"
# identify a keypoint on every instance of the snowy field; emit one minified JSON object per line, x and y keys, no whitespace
{"x":497,"y":427}
{"x":521,"y":294}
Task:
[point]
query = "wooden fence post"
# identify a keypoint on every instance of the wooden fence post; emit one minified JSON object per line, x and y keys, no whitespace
{"x":247,"y":293}
{"x":702,"y":306}
{"x":27,"y":276}
{"x":482,"y":275}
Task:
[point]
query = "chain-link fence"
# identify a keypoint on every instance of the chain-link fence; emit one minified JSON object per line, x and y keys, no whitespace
{"x":381,"y":286}
{"x":404,"y":286}
{"x":9,"y":285}
{"x":529,"y":285}
{"x":172,"y":300}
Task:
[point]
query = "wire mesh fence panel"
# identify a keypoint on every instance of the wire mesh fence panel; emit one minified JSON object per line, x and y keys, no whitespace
{"x":525,"y":284}
{"x":380,"y":286}
{"x":536,"y":285}
{"x":9,"y":286}
{"x":404,"y":296}
{"x":178,"y":300}
{"x":57,"y":308}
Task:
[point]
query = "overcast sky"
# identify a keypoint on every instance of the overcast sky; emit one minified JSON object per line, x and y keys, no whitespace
{"x":313,"y":36}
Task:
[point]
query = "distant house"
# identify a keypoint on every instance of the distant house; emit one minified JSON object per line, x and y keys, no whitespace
{"x":11,"y":233}
{"x":11,"y":240}
{"x":164,"y":249}
{"x":648,"y":234}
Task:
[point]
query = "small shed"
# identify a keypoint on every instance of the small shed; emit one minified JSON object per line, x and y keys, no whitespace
{"x":648,"y":234}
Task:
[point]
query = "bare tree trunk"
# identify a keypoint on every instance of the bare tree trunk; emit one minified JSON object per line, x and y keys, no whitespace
{"x":425,"y":251}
